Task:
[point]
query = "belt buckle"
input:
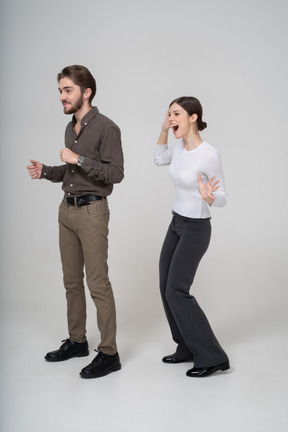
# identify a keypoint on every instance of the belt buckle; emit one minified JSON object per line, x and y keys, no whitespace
{"x":81,"y":202}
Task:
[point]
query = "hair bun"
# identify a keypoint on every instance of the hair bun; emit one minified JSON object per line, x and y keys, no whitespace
{"x":202,"y":125}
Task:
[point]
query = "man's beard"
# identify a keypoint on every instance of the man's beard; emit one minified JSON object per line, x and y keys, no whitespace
{"x":71,"y":109}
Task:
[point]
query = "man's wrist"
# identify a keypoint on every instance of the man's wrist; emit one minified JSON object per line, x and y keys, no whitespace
{"x":80,"y":160}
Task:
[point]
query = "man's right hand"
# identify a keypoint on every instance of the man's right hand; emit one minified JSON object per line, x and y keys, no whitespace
{"x":35,"y":169}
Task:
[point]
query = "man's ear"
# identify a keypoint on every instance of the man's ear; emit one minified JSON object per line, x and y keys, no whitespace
{"x":87,"y":93}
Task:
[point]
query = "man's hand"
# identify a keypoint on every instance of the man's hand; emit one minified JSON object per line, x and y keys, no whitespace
{"x":35,"y":169}
{"x":68,"y":156}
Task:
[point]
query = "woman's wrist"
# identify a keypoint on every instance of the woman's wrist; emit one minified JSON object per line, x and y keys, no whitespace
{"x":163,"y":138}
{"x":209,"y":201}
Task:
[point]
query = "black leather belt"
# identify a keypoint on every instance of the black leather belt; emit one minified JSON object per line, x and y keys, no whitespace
{"x":82,"y":200}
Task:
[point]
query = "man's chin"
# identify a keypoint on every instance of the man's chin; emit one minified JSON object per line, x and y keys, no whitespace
{"x":68,"y":110}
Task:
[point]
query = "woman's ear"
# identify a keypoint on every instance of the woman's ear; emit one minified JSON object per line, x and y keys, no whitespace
{"x":193,"y":118}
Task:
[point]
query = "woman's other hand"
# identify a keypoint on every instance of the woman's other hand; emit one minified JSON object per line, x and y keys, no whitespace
{"x":206,"y":190}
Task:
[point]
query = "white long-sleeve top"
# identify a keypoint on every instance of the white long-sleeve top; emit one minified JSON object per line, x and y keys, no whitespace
{"x":184,"y":168}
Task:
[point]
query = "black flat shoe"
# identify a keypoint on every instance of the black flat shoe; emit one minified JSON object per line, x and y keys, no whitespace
{"x":205,"y":371}
{"x":102,"y":365}
{"x":173,"y":359}
{"x":68,"y":350}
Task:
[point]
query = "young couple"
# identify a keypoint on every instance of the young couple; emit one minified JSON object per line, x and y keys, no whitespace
{"x":92,"y":164}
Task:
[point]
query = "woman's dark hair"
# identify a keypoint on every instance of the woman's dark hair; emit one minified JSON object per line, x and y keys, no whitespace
{"x":81,"y":76}
{"x":192,"y":106}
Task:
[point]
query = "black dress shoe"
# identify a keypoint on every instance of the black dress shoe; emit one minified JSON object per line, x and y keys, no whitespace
{"x":68,"y":350}
{"x":173,"y":359}
{"x":205,"y":371}
{"x":102,"y":365}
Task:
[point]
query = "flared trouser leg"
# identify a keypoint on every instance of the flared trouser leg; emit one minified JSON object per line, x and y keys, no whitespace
{"x":185,"y":244}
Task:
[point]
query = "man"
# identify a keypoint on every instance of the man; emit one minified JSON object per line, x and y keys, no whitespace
{"x":93,"y":163}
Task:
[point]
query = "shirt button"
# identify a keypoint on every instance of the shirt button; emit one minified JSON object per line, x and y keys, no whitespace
{"x":71,"y":185}
{"x":45,"y":174}
{"x":75,"y":141}
{"x":85,"y":124}
{"x":72,"y":171}
{"x":69,"y":193}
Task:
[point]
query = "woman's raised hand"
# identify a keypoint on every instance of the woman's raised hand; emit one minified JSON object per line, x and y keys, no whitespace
{"x":163,"y":137}
{"x":166,"y":124}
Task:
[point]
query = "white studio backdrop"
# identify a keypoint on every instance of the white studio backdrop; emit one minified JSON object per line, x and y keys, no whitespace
{"x":232,"y":55}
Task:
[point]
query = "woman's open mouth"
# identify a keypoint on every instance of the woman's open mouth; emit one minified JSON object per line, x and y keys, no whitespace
{"x":175,"y":127}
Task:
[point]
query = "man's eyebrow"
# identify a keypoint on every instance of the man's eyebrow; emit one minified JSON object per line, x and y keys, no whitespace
{"x":65,"y":88}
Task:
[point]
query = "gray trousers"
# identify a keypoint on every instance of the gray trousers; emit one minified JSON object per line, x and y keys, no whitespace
{"x":83,"y":239}
{"x":185,"y":244}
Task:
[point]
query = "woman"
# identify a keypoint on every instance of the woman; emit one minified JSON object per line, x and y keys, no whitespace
{"x":196,"y":170}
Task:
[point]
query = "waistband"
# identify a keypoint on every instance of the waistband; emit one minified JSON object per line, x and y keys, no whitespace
{"x":187,"y":219}
{"x":82,"y":200}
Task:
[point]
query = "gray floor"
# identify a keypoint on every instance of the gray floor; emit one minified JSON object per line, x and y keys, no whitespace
{"x":146,"y":395}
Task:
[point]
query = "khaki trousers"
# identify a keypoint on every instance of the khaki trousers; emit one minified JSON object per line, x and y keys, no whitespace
{"x":83,"y":239}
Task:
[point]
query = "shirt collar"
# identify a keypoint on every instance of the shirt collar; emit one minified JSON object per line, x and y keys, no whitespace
{"x":86,"y":119}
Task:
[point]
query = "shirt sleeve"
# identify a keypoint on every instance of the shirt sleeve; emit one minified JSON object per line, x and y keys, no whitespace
{"x":162,"y":155}
{"x":214,"y":168}
{"x":110,"y":169}
{"x":54,"y":173}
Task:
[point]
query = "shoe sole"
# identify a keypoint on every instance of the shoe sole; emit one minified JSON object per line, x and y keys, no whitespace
{"x":79,"y":354}
{"x":114,"y":369}
{"x":177,"y":361}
